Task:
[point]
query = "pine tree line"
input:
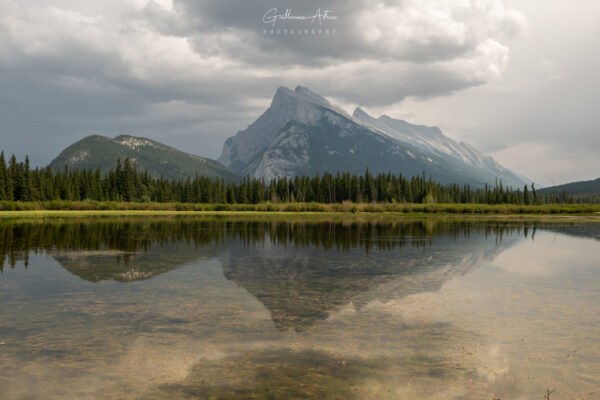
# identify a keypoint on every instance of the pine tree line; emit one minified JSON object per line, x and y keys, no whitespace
{"x":18,"y":182}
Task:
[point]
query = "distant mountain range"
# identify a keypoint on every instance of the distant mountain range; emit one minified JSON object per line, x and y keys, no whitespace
{"x":302,"y":133}
{"x":160,"y":160}
{"x":581,"y":191}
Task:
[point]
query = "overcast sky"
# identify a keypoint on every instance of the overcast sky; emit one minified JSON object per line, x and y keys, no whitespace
{"x":516,"y":79}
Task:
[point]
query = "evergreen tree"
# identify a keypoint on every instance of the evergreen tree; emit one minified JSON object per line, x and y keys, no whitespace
{"x":127,"y":181}
{"x":14,"y":179}
{"x":3,"y":177}
{"x":26,"y":181}
{"x":525,"y":195}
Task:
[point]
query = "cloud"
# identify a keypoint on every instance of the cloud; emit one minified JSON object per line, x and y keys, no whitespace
{"x":69,"y":68}
{"x":549,"y":258}
{"x":412,"y":31}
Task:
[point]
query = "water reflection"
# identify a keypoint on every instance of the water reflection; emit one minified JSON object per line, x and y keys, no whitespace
{"x":301,"y":285}
{"x":126,"y":239}
{"x":235,"y":309}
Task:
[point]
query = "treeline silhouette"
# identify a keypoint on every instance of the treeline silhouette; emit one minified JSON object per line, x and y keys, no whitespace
{"x":19,"y":182}
{"x":130,"y":236}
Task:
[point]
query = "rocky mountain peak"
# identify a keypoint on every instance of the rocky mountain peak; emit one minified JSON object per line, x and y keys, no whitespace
{"x":310,"y":96}
{"x":282,"y":94}
{"x":360,"y":113}
{"x":303,"y":133}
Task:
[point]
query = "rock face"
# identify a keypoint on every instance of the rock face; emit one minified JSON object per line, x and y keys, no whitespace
{"x":302,"y":133}
{"x":160,"y":160}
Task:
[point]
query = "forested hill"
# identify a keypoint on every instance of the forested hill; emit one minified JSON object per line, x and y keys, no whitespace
{"x":582,"y":191}
{"x":148,"y":155}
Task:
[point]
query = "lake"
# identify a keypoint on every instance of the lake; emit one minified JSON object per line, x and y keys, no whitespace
{"x":285,"y":308}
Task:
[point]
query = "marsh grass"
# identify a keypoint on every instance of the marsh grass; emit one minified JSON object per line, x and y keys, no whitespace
{"x":16,"y":208}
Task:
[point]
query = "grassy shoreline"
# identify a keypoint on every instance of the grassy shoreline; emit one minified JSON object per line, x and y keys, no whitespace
{"x":91,"y":208}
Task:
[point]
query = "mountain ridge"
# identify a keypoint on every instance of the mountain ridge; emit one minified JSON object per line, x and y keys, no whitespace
{"x":438,"y":143}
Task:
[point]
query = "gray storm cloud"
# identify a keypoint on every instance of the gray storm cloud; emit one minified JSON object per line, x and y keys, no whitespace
{"x":191,"y":73}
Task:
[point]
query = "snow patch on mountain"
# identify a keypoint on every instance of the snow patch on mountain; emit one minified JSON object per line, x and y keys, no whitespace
{"x":134,"y":142}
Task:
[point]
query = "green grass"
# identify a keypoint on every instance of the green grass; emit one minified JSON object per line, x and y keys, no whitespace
{"x":93,"y":208}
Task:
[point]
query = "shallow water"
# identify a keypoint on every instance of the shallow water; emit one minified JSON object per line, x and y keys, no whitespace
{"x":237,"y":309}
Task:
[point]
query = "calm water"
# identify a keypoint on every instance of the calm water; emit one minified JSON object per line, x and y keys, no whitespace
{"x":232,"y":309}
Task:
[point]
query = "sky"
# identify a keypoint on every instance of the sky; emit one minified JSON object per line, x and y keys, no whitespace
{"x":516,"y":79}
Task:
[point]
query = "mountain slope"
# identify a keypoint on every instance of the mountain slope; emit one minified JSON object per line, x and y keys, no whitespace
{"x":160,"y":160}
{"x":302,"y":133}
{"x":431,"y":139}
{"x":580,"y":187}
{"x":582,"y":191}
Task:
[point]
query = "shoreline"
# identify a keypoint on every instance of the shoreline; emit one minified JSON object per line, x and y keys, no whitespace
{"x":289,"y":207}
{"x":305,"y":215}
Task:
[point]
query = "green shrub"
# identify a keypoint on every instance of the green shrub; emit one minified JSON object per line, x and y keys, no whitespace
{"x":6,"y":205}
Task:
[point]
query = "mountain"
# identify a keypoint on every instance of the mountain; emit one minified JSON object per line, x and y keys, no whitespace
{"x":302,"y":133}
{"x":582,"y":191}
{"x":160,"y":160}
